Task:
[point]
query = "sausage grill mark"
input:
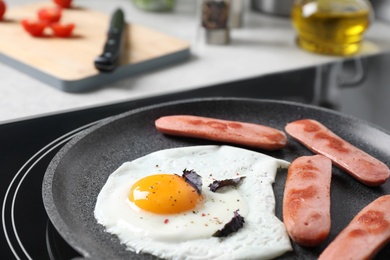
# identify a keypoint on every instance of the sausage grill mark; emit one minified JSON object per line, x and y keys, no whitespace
{"x":374,"y":221}
{"x":357,"y":233}
{"x":306,"y":171}
{"x":333,"y":142}
{"x":305,"y":167}
{"x":234,"y":125}
{"x":309,"y":126}
{"x":303,"y":194}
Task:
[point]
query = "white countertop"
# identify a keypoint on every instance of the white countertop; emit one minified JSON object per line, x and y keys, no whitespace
{"x":265,"y":44}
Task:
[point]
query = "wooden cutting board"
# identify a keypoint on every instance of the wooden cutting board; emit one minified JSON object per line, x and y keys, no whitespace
{"x":67,"y":63}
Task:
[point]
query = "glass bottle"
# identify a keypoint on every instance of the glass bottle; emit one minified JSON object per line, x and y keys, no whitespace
{"x":333,"y":27}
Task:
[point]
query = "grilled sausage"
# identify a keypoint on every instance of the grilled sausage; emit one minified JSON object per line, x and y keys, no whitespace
{"x":246,"y":134}
{"x":368,"y":231}
{"x":356,"y":162}
{"x":306,"y":201}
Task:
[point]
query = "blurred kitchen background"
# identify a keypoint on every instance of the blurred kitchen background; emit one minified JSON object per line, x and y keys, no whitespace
{"x":258,"y":58}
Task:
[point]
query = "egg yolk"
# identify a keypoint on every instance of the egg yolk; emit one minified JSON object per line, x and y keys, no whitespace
{"x":164,"y":194}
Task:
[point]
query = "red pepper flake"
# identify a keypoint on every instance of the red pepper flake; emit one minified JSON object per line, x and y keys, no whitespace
{"x":166,"y":221}
{"x":203,"y":215}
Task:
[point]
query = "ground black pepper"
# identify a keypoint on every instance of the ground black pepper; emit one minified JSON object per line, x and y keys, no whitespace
{"x":215,"y":14}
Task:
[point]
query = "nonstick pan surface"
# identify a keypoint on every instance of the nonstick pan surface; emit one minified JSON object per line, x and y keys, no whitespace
{"x":75,"y":176}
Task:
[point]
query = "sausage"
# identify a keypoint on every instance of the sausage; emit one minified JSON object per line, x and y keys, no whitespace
{"x":319,"y":139}
{"x":365,"y":235}
{"x":246,"y":134}
{"x":306,"y":200}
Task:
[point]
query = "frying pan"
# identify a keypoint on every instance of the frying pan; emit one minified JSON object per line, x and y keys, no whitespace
{"x":80,"y":169}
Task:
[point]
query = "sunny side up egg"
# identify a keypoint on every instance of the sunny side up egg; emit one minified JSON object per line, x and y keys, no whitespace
{"x":152,"y":210}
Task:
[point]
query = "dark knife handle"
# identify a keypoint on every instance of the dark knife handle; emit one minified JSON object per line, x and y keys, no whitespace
{"x":109,"y":59}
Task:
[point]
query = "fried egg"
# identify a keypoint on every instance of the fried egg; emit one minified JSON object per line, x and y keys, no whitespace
{"x":151,"y":209}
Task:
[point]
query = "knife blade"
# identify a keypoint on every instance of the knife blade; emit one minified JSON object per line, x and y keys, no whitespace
{"x":113,"y":47}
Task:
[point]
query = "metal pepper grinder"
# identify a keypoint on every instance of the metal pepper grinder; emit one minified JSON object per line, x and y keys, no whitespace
{"x":215,"y":21}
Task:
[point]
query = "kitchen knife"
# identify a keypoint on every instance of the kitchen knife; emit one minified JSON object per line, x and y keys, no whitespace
{"x":113,"y":47}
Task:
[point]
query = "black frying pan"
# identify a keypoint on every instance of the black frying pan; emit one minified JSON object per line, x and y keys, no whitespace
{"x":78,"y":172}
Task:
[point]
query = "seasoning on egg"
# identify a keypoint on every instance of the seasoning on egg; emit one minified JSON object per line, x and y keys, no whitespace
{"x":217,"y":184}
{"x":193,"y":179}
{"x":234,"y":225}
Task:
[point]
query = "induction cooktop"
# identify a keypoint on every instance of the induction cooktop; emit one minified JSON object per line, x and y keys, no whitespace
{"x":27,"y":147}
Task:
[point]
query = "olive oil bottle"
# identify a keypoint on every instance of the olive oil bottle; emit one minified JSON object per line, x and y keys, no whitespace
{"x":333,"y":27}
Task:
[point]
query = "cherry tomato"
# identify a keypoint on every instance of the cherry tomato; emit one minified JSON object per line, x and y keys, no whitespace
{"x":63,"y":3}
{"x":62,"y":30}
{"x":50,"y":15}
{"x":3,"y":8}
{"x":35,"y":28}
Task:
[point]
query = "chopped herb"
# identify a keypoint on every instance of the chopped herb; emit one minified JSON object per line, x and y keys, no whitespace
{"x":221,"y":183}
{"x":194,"y":179}
{"x":234,"y":225}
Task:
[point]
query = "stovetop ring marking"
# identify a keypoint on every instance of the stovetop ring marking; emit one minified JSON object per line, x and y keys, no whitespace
{"x":48,"y":148}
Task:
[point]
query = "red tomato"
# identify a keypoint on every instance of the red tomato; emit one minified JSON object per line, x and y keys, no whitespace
{"x":62,"y":30}
{"x":3,"y":7}
{"x":35,"y":28}
{"x":63,"y":3}
{"x":50,"y":15}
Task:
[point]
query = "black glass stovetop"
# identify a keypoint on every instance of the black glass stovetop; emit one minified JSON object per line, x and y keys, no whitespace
{"x":27,"y":147}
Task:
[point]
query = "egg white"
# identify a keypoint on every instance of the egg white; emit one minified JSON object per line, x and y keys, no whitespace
{"x":189,"y":235}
